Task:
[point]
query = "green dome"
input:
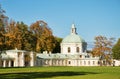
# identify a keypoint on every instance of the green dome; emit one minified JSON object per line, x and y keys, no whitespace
{"x":73,"y":38}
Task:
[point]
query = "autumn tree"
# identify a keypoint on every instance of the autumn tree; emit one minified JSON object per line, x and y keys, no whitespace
{"x":10,"y":38}
{"x":18,"y":36}
{"x":103,"y":49}
{"x":36,"y":29}
{"x":116,"y":50}
{"x":44,"y":38}
{"x":48,"y":39}
{"x":25,"y":38}
{"x":38,"y":37}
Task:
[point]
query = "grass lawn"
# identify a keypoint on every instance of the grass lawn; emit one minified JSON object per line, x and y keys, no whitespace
{"x":60,"y":73}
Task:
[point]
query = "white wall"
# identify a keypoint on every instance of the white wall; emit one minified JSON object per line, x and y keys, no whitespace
{"x":14,"y":55}
{"x":19,"y":59}
{"x":73,"y":46}
{"x":67,"y":62}
{"x":116,"y":62}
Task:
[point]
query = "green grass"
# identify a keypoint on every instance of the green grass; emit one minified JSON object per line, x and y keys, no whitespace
{"x":60,"y":73}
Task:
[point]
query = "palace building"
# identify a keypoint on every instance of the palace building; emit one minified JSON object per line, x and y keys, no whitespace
{"x":73,"y":53}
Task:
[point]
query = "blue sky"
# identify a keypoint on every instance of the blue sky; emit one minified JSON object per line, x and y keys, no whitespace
{"x":91,"y":17}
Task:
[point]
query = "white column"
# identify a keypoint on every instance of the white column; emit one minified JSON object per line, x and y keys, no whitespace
{"x":31,"y":59}
{"x":16,"y":60}
{"x":63,"y":62}
{"x":4,"y":63}
{"x":22,"y":59}
{"x":9,"y":63}
{"x":49,"y":62}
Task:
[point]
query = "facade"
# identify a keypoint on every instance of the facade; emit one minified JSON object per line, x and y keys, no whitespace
{"x":73,"y":53}
{"x":16,"y":58}
{"x":66,"y":60}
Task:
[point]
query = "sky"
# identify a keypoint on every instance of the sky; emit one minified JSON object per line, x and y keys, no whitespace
{"x":91,"y":17}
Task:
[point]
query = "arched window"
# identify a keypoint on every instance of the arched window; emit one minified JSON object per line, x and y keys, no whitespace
{"x":68,"y":49}
{"x":80,"y":56}
{"x":77,"y":50}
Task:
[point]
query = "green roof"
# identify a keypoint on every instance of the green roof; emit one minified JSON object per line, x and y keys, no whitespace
{"x":62,"y":56}
{"x":73,"y":38}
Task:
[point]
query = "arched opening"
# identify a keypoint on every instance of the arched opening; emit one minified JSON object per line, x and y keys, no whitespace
{"x":12,"y":63}
{"x":27,"y":60}
{"x":80,"y":56}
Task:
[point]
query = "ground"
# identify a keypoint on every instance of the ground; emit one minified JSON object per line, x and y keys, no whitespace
{"x":60,"y":73}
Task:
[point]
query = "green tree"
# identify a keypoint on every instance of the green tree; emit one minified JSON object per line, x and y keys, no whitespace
{"x":2,"y":17}
{"x":116,"y":50}
{"x":57,"y":45}
{"x":103,"y":49}
{"x":3,"y":23}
